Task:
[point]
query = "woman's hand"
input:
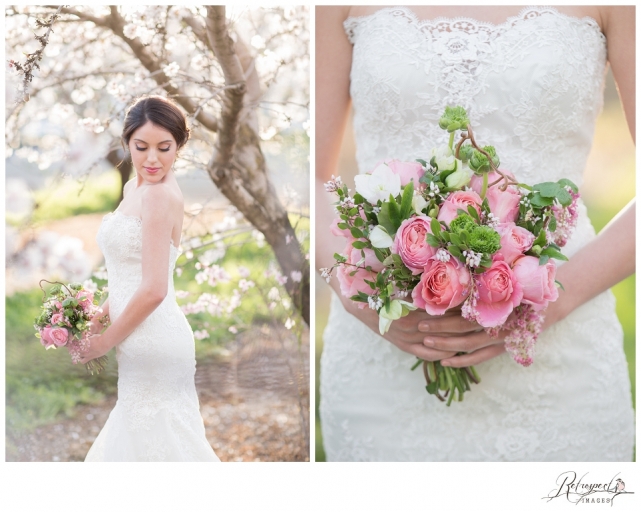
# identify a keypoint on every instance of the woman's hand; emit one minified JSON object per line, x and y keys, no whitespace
{"x":406,"y":334}
{"x":98,"y":346}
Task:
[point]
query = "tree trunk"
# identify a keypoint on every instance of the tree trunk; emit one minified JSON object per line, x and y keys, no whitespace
{"x":123,"y":166}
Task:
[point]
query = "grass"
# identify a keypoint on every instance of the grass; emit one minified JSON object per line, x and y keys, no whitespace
{"x":68,"y":197}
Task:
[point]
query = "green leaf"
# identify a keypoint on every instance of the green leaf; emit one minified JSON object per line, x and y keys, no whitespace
{"x":432,"y":388}
{"x":359,"y":245}
{"x":539,"y":201}
{"x":564,"y":197}
{"x":394,"y":213}
{"x":356,"y":233}
{"x":564,"y":182}
{"x":340,"y":258}
{"x":388,"y":261}
{"x":547,"y":189}
{"x":385,"y":220}
{"x":454,"y":238}
{"x":552,"y":224}
{"x":406,"y":201}
{"x":435,"y":228}
{"x":422,"y":162}
{"x":380,"y":255}
{"x":455,"y":251}
{"x":397,"y":259}
{"x":433,"y":241}
{"x":543,"y":260}
{"x":358,"y":222}
{"x":358,"y":199}
{"x":445,"y":235}
{"x":361,"y":297}
{"x":560,"y":285}
{"x":553,"y":253}
{"x":473,"y":213}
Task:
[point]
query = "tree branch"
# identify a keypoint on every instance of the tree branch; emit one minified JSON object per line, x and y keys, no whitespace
{"x":223,"y":46}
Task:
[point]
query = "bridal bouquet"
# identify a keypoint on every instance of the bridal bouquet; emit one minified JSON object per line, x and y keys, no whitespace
{"x":454,"y":231}
{"x":64,"y":321}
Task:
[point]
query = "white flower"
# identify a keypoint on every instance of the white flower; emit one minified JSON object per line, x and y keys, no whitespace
{"x":171,"y":70}
{"x":418,"y":203}
{"x":232,"y":329}
{"x":130,"y":31}
{"x":461,"y":177}
{"x":289,"y":323}
{"x":378,"y":185}
{"x":442,"y":255}
{"x":444,"y":158}
{"x":380,"y":238}
{"x":297,"y":276}
{"x":201,"y":335}
{"x":395,"y":310}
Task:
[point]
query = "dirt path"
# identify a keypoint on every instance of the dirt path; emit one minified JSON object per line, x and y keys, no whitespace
{"x":255,"y":405}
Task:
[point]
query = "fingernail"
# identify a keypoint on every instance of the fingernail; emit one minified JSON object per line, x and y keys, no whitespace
{"x":429,"y":342}
{"x":423,"y":326}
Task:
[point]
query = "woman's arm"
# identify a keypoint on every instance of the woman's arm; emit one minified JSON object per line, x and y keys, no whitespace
{"x":157,"y":223}
{"x":333,"y":64}
{"x":610,"y":257}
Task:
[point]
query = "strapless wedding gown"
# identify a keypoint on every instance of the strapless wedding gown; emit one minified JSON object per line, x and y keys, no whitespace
{"x":532,"y":87}
{"x":157,"y":416}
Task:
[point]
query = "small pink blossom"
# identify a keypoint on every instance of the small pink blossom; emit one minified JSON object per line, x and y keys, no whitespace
{"x":57,"y":318}
{"x":459,"y":200}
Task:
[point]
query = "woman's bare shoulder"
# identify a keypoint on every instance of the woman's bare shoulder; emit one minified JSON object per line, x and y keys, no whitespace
{"x":131,"y":184}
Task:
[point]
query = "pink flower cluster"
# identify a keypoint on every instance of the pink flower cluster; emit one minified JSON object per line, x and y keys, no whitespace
{"x":512,"y":279}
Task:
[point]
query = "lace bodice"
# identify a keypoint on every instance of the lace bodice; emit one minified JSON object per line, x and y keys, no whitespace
{"x":532,"y":86}
{"x":120,"y":240}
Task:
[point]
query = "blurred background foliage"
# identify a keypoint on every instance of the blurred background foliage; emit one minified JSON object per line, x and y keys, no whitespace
{"x":613,"y":155}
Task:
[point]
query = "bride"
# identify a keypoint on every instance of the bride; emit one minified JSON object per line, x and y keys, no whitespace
{"x":156,"y":417}
{"x":531,"y":81}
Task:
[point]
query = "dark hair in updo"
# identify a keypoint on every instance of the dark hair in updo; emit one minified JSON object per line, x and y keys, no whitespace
{"x":159,"y":111}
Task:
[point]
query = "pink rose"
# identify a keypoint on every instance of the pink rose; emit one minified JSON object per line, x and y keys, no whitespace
{"x":476,"y":183}
{"x":411,"y":245}
{"x":45,"y":337}
{"x":85,"y":299}
{"x":57,"y":318}
{"x":460,"y":199}
{"x":537,"y":281}
{"x":504,"y":204}
{"x":443,"y":285}
{"x":58,"y":305}
{"x":351,"y":285}
{"x":336,"y":231}
{"x":515,"y":241}
{"x":407,"y":171}
{"x":499,"y":293}
{"x":59,"y":335}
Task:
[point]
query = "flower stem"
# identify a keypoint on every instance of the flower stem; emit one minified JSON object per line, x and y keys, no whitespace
{"x":416,"y":364}
{"x":484,"y":189}
{"x":451,"y":143}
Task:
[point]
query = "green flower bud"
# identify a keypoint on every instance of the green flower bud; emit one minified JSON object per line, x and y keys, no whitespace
{"x":463,"y":223}
{"x":484,"y":239}
{"x":454,"y":118}
{"x":465,"y":153}
{"x":479,"y":162}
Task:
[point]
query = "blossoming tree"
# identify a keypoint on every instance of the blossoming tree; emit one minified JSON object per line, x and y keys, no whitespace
{"x":83,"y":65}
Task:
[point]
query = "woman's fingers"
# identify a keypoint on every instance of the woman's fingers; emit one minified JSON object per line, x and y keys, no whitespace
{"x":476,"y":357}
{"x":423,"y":352}
{"x":447,"y":324}
{"x":468,"y":343}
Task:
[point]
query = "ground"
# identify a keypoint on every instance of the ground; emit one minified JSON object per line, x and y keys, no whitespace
{"x":254,"y":401}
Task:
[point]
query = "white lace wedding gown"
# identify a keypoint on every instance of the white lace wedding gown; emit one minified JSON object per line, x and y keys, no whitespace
{"x":532,"y":87}
{"x":156,"y":417}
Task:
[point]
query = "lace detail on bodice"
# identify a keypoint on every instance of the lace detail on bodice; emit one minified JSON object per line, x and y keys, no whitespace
{"x":157,"y":410}
{"x":532,"y":87}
